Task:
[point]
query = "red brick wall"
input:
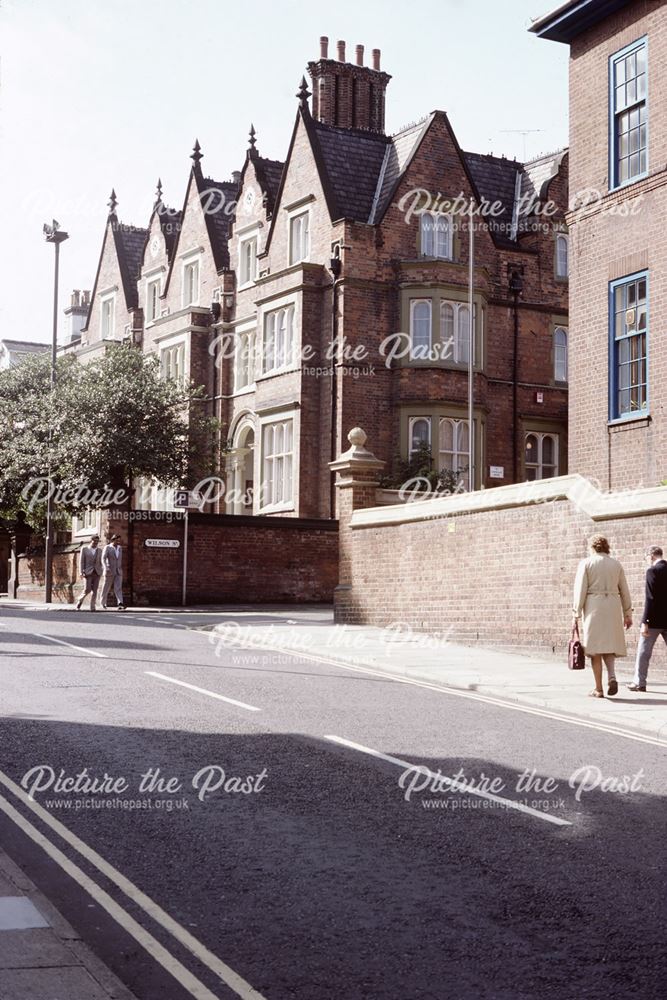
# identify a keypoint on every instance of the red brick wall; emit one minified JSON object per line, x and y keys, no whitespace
{"x":231,"y":559}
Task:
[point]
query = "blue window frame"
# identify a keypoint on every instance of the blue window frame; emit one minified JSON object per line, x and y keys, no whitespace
{"x":629,"y":327}
{"x":628,"y":114}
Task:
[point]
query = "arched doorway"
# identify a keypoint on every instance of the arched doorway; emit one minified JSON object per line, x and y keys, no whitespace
{"x":243,"y":469}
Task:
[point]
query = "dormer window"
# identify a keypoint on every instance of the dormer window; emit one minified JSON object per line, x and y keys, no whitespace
{"x":436,"y":235}
{"x":299,"y":237}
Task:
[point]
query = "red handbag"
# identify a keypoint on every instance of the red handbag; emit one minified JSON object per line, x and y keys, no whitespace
{"x":576,"y":658}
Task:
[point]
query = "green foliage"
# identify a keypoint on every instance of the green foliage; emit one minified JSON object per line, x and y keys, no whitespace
{"x":104,"y":423}
{"x":419,"y":469}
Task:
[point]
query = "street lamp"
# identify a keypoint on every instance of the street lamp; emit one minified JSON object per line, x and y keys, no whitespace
{"x":53,"y":234}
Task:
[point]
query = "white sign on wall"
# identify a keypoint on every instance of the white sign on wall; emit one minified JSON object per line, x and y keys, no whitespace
{"x":497,"y":472}
{"x":162,"y":543}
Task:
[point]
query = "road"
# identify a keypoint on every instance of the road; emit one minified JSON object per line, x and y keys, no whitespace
{"x":323,"y":867}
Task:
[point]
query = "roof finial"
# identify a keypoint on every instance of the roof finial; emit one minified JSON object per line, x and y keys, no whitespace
{"x":112,"y":202}
{"x":158,"y":191}
{"x":303,"y":93}
{"x":252,"y":141}
{"x":196,"y":153}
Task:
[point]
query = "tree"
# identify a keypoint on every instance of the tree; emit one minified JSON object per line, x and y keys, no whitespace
{"x":105,"y":423}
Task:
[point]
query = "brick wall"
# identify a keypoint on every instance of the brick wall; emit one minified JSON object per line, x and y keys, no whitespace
{"x":231,"y":559}
{"x":501,"y":576}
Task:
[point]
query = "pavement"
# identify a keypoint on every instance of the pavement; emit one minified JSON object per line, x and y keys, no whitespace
{"x":541,"y":681}
{"x":41,"y":956}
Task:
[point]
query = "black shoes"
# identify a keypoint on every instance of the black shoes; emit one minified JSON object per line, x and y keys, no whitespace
{"x":613,"y":688}
{"x":636,"y":687}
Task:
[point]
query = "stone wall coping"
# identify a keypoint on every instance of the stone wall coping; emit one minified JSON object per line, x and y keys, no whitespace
{"x":583,"y":493}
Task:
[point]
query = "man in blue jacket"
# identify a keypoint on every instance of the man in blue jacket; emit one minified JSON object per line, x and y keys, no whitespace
{"x":654,"y":619}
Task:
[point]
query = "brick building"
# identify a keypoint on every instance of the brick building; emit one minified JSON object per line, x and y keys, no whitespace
{"x":618,"y":283}
{"x":332,"y":289}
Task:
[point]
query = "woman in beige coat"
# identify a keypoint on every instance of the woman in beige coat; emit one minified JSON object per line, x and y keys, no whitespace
{"x":601,"y":595}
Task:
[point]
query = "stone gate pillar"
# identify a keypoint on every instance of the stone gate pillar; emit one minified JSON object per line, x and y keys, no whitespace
{"x":357,"y":479}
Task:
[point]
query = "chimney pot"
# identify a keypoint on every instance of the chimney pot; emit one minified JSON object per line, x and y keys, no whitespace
{"x":236,"y":176}
{"x":360,"y":55}
{"x":324,"y":47}
{"x":341,"y":51}
{"x":376,"y":58}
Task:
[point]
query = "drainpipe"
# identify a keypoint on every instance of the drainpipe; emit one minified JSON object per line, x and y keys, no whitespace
{"x":335,"y":266}
{"x":516,"y":287}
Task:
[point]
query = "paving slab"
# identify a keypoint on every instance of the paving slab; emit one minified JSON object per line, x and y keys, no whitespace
{"x":50,"y":984}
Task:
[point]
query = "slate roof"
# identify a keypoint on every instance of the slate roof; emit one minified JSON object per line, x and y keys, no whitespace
{"x":170,"y":223}
{"x":269,"y":173}
{"x":352,"y":161}
{"x":496,"y":180}
{"x":25,"y":346}
{"x":398,"y":153}
{"x":216,"y":197}
{"x":130,"y":242}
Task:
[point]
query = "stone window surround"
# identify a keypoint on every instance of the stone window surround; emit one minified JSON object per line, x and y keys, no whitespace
{"x":276,"y":417}
{"x":447,"y":293}
{"x":434,"y":411}
{"x":542,"y":425}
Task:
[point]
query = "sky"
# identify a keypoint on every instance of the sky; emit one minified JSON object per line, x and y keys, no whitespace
{"x":96,"y":94}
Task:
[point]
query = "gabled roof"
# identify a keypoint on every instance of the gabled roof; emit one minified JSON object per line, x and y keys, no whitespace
{"x":269,"y":174}
{"x":496,"y":181}
{"x":216,"y":196}
{"x":352,"y":160}
{"x":130,"y":242}
{"x":399,"y":152}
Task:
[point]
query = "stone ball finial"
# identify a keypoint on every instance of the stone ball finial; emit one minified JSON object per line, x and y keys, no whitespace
{"x":357,"y":437}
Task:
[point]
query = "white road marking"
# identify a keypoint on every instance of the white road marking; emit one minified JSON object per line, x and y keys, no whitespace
{"x":211,"y":694}
{"x":235,"y":982}
{"x":457,"y":692}
{"x":406,"y":765}
{"x":61,"y":642}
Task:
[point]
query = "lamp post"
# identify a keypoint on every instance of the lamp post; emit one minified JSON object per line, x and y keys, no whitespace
{"x":55,"y":235}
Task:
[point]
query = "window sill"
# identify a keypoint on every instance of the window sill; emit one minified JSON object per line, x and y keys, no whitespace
{"x":631,"y":421}
{"x":277,"y":509}
{"x":245,"y":390}
{"x":613,"y":188}
{"x":246,"y":285}
{"x":277,"y":371}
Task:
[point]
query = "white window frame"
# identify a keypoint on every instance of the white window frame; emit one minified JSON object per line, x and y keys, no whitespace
{"x":538,"y":464}
{"x":561,"y":354}
{"x":174,"y":351}
{"x":288,"y":471}
{"x":298,"y":252}
{"x":245,"y":277}
{"x":274,"y":361}
{"x":87,"y":525}
{"x":562,"y":256}
{"x":411,"y":423}
{"x":188,"y":263}
{"x":458,"y":309}
{"x":245,"y":339}
{"x":457,"y":424}
{"x":108,"y":316}
{"x":153,"y":282}
{"x":435,"y":240}
{"x":414,"y":303}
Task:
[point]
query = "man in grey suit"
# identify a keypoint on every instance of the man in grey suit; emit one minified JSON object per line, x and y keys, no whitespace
{"x":90,"y":567}
{"x":112,"y":561}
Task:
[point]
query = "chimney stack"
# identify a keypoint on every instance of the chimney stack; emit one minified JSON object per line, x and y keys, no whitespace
{"x":348,"y":95}
{"x":76,"y":314}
